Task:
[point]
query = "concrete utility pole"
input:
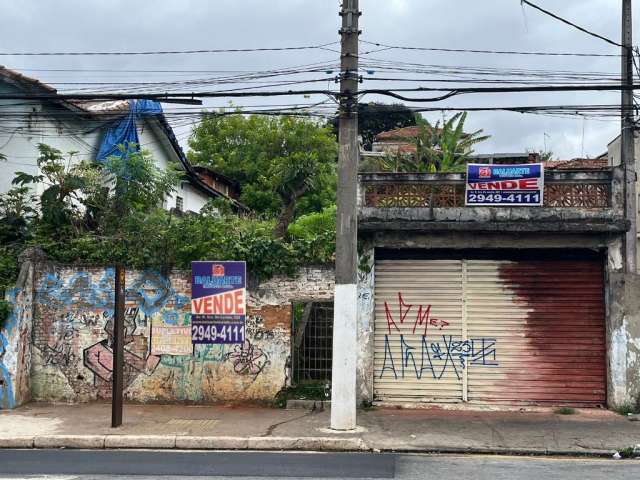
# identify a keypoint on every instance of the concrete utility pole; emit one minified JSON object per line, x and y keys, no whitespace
{"x":345,"y":335}
{"x":628,"y":159}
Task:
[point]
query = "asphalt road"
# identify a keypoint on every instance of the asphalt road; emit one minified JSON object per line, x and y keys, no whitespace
{"x":142,"y":465}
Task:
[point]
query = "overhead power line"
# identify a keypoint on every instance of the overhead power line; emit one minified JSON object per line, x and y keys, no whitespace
{"x":181,"y":95}
{"x":169,"y":52}
{"x":493,"y":52}
{"x":564,"y":20}
{"x":160,"y":97}
{"x":461,"y":91}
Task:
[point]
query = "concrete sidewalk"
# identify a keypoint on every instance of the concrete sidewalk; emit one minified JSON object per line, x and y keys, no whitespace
{"x":525,"y":431}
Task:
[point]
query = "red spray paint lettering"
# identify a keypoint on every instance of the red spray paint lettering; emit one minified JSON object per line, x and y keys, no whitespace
{"x":423,"y":316}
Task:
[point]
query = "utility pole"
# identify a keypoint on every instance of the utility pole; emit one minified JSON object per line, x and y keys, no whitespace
{"x":118,"y":348}
{"x":628,"y":159}
{"x":345,"y":335}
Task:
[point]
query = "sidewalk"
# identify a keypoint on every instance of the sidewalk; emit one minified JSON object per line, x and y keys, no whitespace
{"x":532,"y":431}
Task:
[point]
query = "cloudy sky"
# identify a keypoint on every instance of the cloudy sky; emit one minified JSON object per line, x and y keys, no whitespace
{"x":136,"y":25}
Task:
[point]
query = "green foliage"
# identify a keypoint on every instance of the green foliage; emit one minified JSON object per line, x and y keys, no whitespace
{"x":367,"y":406}
{"x":375,"y":118}
{"x":8,"y":275}
{"x":446,"y":147}
{"x":5,"y":311}
{"x":564,"y":411}
{"x":312,"y":390}
{"x":314,"y":235}
{"x":443,"y":147}
{"x":628,"y":409}
{"x":16,"y":212}
{"x":629,"y":452}
{"x":63,"y":181}
{"x":113,"y":213}
{"x":314,"y":224}
{"x":286,"y":165}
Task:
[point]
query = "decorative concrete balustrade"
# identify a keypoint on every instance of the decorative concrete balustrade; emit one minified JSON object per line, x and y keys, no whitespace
{"x":586,"y":200}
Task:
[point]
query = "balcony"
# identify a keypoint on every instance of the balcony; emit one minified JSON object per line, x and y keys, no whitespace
{"x":574,"y":201}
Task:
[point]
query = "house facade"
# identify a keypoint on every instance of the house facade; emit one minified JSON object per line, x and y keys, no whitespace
{"x":80,"y":127}
{"x":496,"y":305}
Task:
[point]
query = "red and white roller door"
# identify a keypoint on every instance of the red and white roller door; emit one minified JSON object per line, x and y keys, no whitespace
{"x":490,"y":331}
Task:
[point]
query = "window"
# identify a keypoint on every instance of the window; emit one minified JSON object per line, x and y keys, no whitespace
{"x":179,"y":204}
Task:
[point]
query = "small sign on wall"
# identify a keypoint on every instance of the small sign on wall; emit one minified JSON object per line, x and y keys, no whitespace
{"x":218,"y":302}
{"x":505,"y":185}
{"x":170,"y":340}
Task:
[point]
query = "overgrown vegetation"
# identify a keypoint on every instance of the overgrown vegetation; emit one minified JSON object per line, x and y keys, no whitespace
{"x":628,"y":409}
{"x":375,"y":118}
{"x":286,"y":165}
{"x":629,"y":452}
{"x":312,"y":390}
{"x":109,"y":213}
{"x":440,"y":147}
{"x":564,"y":411}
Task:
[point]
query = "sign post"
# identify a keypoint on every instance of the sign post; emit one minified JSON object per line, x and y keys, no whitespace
{"x":118,"y":348}
{"x":218,"y":302}
{"x":505,"y":185}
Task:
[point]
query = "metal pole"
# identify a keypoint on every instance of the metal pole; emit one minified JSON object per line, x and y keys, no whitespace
{"x":627,"y":141}
{"x":118,"y":348}
{"x":343,"y":378}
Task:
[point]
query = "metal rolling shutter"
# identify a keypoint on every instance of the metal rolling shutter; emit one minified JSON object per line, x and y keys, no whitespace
{"x":547,"y":321}
{"x":496,"y":331}
{"x":406,"y":367}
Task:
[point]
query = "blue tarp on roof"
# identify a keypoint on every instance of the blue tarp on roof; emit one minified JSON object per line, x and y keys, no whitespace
{"x":124,"y":132}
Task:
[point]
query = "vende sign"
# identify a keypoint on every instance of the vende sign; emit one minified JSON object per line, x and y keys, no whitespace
{"x":218,"y":302}
{"x":505,"y":185}
{"x":228,"y":303}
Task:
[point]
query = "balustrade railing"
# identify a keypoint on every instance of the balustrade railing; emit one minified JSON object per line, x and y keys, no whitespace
{"x":586,"y":190}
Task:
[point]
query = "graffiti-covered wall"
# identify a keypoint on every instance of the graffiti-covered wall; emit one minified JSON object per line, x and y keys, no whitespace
{"x":71,"y":339}
{"x":15,"y":335}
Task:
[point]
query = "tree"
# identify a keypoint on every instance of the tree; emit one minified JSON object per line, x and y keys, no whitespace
{"x":281,"y":162}
{"x":445,"y":147}
{"x":439,"y":148}
{"x":63,"y":182}
{"x":16,"y":213}
{"x":375,"y":118}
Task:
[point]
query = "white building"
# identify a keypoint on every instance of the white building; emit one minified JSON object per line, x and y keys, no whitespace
{"x":80,"y":127}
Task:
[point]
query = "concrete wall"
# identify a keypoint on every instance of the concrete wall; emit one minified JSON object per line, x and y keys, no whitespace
{"x":623,"y":331}
{"x":15,"y":340}
{"x":614,"y":153}
{"x":70,"y":357}
{"x":491,"y":219}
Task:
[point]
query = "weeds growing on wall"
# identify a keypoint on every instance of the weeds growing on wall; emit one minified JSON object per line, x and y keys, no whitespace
{"x":5,"y":310}
{"x":81,"y":218}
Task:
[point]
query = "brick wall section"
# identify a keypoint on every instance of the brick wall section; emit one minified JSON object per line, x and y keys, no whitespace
{"x":72,"y":324}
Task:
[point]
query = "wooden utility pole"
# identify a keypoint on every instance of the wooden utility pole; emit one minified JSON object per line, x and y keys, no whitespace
{"x":628,"y":158}
{"x":343,"y":382}
{"x":118,"y":348}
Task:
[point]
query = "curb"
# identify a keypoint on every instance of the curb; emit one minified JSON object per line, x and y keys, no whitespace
{"x":182,"y":442}
{"x":332,"y":444}
{"x":507,"y":451}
